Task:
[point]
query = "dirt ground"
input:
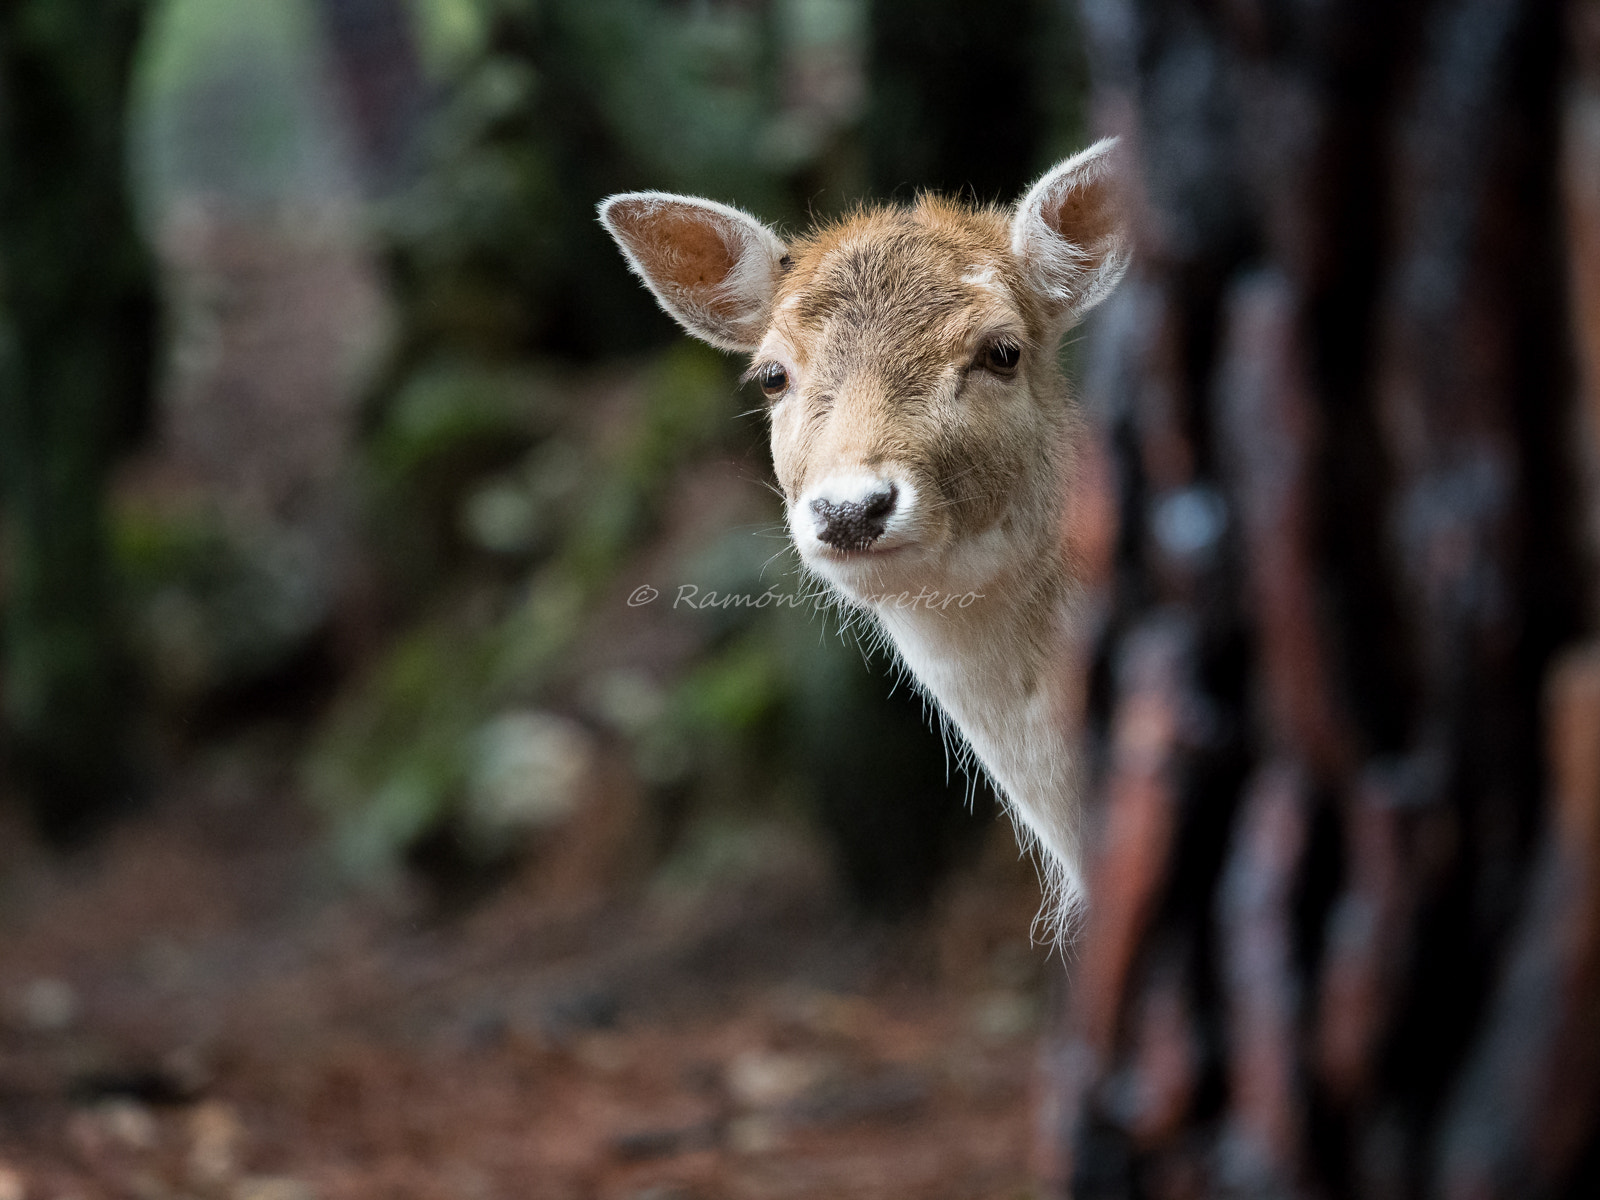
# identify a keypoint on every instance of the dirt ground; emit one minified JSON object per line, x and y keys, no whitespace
{"x":195,"y":1009}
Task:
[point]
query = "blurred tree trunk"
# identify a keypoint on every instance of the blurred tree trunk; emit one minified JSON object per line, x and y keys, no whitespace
{"x":1345,"y":926}
{"x":387,"y":97}
{"x":77,"y":318}
{"x":967,"y":103}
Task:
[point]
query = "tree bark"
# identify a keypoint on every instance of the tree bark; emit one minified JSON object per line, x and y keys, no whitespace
{"x":1345,"y":925}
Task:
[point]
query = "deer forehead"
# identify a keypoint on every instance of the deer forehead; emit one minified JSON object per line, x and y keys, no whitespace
{"x":900,"y":290}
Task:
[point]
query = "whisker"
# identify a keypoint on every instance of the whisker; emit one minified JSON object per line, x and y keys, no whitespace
{"x":763,"y":571}
{"x":769,"y":485}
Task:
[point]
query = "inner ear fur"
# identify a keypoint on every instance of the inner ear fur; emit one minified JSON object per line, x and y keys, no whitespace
{"x":713,"y":268}
{"x":1069,"y":233}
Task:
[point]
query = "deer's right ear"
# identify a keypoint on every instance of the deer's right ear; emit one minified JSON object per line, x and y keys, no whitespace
{"x":712,"y":267}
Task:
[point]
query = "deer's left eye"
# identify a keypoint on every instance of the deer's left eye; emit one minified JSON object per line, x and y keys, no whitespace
{"x":1000,"y":356}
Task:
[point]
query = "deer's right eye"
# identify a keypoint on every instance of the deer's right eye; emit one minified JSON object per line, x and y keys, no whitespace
{"x":1001,"y":356}
{"x":773,"y":380}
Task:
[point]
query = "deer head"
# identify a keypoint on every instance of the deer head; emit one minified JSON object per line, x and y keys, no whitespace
{"x":919,"y":422}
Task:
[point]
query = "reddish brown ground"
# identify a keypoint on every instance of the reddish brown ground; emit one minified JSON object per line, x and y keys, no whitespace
{"x":234,"y":1026}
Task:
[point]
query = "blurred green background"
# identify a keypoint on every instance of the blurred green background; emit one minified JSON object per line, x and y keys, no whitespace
{"x":418,"y":436}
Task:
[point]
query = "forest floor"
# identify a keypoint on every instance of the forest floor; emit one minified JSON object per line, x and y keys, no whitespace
{"x":193,"y":1008}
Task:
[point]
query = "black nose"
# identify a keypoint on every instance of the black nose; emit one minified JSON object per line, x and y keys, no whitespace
{"x":855,"y":524}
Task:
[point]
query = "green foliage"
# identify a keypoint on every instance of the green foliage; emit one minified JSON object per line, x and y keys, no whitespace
{"x":688,"y":91}
{"x":731,"y":693}
{"x":686,"y":409}
{"x":450,"y":426}
{"x":450,"y":32}
{"x":214,"y":604}
{"x":449,"y":413}
{"x":392,"y":760}
{"x":402,"y":736}
{"x":684,"y":412}
{"x":548,"y":107}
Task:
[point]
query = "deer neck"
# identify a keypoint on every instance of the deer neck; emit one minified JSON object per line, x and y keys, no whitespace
{"x":999,"y":670}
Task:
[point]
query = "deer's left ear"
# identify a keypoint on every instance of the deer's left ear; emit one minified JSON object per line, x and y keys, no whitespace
{"x":1069,"y":236}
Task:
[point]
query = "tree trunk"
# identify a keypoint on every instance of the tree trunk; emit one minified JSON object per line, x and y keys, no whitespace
{"x":1345,"y":926}
{"x":77,"y":318}
{"x":963,"y":103}
{"x":380,"y":76}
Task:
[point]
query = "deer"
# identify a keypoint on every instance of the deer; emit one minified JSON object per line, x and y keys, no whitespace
{"x":923,"y":439}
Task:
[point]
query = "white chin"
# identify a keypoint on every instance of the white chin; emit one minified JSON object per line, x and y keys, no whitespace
{"x":866,"y":575}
